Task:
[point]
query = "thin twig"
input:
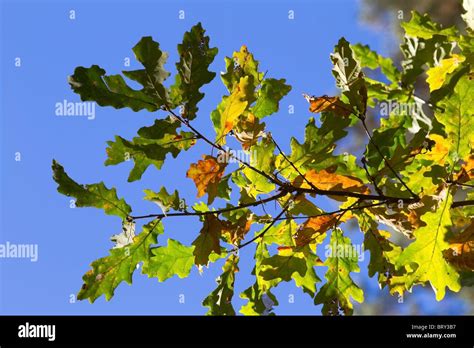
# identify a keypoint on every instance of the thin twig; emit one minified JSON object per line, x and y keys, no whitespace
{"x":294,"y":166}
{"x":261,"y":234}
{"x":385,"y":159}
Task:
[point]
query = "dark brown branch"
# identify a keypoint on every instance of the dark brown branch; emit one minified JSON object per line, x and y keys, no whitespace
{"x":333,"y":212}
{"x":210,"y":212}
{"x":362,"y":196}
{"x":462,"y":203}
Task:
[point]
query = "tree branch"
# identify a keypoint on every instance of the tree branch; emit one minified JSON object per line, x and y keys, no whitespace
{"x":219,"y":211}
{"x":261,"y":234}
{"x":462,"y":203}
{"x":333,"y":212}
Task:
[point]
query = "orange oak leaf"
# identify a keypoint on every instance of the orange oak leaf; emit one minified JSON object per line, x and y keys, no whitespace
{"x":314,"y":229}
{"x":325,"y":103}
{"x":467,"y":171}
{"x":461,"y":250}
{"x":325,"y":180}
{"x":206,"y":174}
{"x":235,"y":232}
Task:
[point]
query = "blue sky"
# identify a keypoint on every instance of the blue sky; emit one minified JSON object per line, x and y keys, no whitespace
{"x":50,"y":46}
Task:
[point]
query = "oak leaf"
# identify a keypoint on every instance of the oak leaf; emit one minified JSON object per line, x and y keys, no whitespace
{"x":206,"y":174}
{"x":325,"y":103}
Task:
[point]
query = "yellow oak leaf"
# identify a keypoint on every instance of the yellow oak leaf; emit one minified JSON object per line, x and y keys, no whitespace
{"x":234,"y":106}
{"x":439,"y":152}
{"x":437,"y":75}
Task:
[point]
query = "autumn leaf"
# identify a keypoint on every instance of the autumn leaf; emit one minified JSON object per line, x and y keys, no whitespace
{"x":467,"y":171}
{"x":420,"y":166}
{"x":206,"y":175}
{"x":325,"y":103}
{"x":325,"y":180}
{"x":231,"y":107}
{"x":208,"y":240}
{"x":314,"y":229}
{"x":460,"y":252}
{"x":437,"y":75}
{"x":234,"y":232}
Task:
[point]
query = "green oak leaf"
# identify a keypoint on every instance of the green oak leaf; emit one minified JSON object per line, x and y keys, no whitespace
{"x":165,"y":200}
{"x":108,"y":90}
{"x":148,"y":53}
{"x":259,"y":302}
{"x":336,"y":294}
{"x":349,"y":76}
{"x":260,"y":299}
{"x":195,"y":58}
{"x":283,"y":267}
{"x":168,"y":261}
{"x":263,"y":159}
{"x":281,"y":233}
{"x":241,"y":64}
{"x":112,"y":90}
{"x":269,"y":96}
{"x":151,"y":146}
{"x":223,"y":188}
{"x":423,"y":27}
{"x":458,"y":118}
{"x":426,"y":252}
{"x":208,"y":240}
{"x":93,"y":195}
{"x":292,"y":263}
{"x":372,"y":60}
{"x":317,"y":151}
{"x":383,"y":255}
{"x":108,"y":272}
{"x":219,"y":301}
{"x":419,"y":53}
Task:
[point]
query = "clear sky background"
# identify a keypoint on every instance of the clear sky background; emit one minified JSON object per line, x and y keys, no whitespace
{"x":50,"y":46}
